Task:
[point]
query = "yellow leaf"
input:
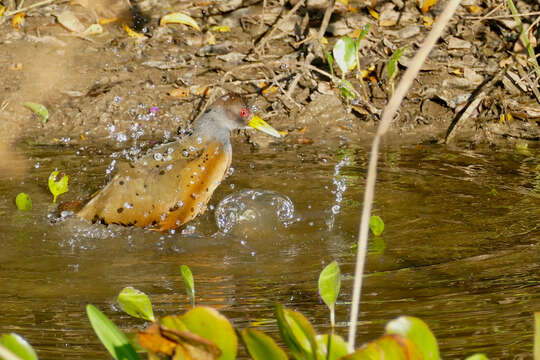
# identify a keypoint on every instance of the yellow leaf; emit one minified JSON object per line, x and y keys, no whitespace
{"x":2,"y":10}
{"x":324,"y":41}
{"x":269,"y":90}
{"x":179,"y":18}
{"x":220,"y":28}
{"x":108,"y":20}
{"x":179,"y":93}
{"x":373,"y":13}
{"x":132,"y":33}
{"x":428,"y":21}
{"x":457,"y":72}
{"x":425,"y":5}
{"x":18,"y":20}
{"x":344,"y":2}
{"x":475,"y":9}
{"x":93,"y":29}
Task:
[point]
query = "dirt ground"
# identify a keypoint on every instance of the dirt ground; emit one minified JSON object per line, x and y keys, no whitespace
{"x":121,"y":91}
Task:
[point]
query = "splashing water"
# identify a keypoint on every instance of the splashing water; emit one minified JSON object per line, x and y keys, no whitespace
{"x":340,"y":183}
{"x":254,"y":210}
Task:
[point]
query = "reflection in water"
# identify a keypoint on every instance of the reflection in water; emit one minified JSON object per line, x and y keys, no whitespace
{"x":459,"y":249}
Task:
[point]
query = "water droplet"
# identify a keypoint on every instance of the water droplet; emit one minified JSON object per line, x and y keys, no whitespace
{"x":158,"y":157}
{"x":185,"y":153}
{"x":335,"y":209}
{"x":128,"y":205}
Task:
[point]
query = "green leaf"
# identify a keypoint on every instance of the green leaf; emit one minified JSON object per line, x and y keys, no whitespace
{"x":391,"y":66}
{"x":111,"y":337}
{"x":39,"y":110}
{"x":187,"y":275}
{"x":261,"y":346}
{"x":416,"y":330}
{"x":173,"y":322}
{"x":18,"y":346}
{"x":329,"y":58}
{"x":58,"y":187}
{"x":376,"y":224}
{"x":23,"y":202}
{"x":329,"y":286}
{"x":210,"y":324}
{"x":345,"y":54}
{"x":395,"y":347}
{"x":377,"y":246}
{"x":477,"y":357}
{"x":136,"y":303}
{"x":537,"y":335}
{"x":338,"y":347}
{"x":297,"y":333}
{"x":346,"y":89}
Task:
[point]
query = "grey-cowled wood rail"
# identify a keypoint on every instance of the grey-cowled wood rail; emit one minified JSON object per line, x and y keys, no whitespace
{"x":172,"y":183}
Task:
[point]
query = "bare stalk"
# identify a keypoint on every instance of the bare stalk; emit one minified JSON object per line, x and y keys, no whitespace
{"x":386,"y":119}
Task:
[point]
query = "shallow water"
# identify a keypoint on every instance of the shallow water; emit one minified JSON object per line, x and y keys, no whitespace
{"x":459,"y":250}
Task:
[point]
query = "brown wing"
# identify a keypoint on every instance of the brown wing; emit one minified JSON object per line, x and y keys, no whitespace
{"x":162,"y":191}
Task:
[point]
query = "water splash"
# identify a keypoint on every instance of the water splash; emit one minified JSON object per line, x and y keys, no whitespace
{"x":250,"y":211}
{"x":340,"y":183}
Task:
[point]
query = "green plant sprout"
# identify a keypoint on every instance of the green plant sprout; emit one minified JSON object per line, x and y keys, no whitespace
{"x":187,"y":275}
{"x":392,"y":68}
{"x":23,"y":202}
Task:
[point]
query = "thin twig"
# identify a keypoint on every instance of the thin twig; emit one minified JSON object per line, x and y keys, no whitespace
{"x":276,"y":26}
{"x":29,"y":7}
{"x":386,"y":119}
{"x":501,"y":16}
{"x":326,"y":18}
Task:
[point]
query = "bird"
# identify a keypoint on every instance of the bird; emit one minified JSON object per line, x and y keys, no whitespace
{"x":172,"y":183}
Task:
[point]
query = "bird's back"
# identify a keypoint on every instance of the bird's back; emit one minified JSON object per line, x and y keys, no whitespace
{"x":164,"y":189}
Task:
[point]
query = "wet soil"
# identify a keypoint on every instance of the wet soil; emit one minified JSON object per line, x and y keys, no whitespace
{"x":100,"y":88}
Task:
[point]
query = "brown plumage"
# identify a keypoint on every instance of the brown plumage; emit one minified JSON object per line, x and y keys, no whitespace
{"x":172,"y":184}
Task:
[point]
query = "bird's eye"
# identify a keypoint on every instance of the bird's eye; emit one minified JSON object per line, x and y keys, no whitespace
{"x":244,"y":112}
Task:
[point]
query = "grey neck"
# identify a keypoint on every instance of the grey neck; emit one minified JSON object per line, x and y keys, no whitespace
{"x":214,"y":124}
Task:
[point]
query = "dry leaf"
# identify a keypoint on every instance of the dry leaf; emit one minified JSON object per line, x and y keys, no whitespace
{"x":428,"y":21}
{"x":179,"y":93}
{"x":425,"y":5}
{"x":132,"y":33}
{"x":373,"y":13}
{"x":179,"y":18}
{"x":68,"y":20}
{"x":18,"y":20}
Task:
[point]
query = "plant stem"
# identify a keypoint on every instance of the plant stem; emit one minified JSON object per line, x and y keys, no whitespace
{"x":386,"y":119}
{"x":524,"y":37}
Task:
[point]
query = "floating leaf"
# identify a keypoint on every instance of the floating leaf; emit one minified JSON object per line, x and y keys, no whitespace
{"x":187,"y":275}
{"x":395,"y":347}
{"x":178,"y":344}
{"x":58,"y":187}
{"x":338,"y":347}
{"x":39,"y":110}
{"x":297,"y":333}
{"x":18,"y":20}
{"x":417,"y":331}
{"x":210,"y":324}
{"x":329,"y":286}
{"x":136,"y":303}
{"x":220,"y":28}
{"x":345,"y":54}
{"x":23,"y":202}
{"x":179,"y":18}
{"x":261,"y":346}
{"x":18,"y":346}
{"x":376,"y":224}
{"x":110,"y":336}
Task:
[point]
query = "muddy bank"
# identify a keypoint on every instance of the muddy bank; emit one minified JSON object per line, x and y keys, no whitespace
{"x":114,"y":89}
